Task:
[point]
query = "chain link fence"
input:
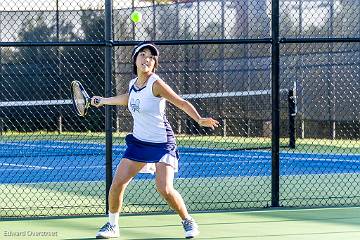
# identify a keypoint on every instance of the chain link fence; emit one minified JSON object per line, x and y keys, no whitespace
{"x":217,"y":55}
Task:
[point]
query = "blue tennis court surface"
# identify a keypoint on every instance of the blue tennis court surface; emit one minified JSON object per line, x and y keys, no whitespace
{"x":61,"y":161}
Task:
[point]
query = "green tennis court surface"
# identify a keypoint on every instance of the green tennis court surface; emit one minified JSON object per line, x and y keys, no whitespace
{"x":304,"y":224}
{"x":225,"y":180}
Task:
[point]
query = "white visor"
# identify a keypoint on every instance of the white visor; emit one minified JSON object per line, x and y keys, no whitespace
{"x":152,"y":48}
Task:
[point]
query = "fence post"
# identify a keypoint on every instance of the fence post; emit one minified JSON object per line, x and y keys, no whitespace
{"x":275,"y":90}
{"x":108,"y":109}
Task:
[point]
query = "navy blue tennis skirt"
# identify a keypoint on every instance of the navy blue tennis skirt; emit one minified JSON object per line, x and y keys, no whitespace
{"x":148,"y":152}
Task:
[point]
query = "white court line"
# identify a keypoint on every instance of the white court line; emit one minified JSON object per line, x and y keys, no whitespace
{"x":52,"y":146}
{"x":255,"y":158}
{"x":84,"y":167}
{"x":79,"y":146}
{"x":44,"y":168}
{"x":26,"y":166}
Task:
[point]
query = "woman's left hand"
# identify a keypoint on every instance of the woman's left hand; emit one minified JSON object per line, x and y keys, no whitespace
{"x":208,"y":122}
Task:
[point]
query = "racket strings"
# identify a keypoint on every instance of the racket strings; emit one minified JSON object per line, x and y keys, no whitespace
{"x":79,"y":100}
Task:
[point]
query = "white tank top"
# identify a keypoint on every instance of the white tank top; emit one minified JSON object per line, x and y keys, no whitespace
{"x":148,"y":112}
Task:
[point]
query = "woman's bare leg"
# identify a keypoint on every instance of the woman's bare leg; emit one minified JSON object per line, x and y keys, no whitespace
{"x":164,"y":184}
{"x":126,"y":170}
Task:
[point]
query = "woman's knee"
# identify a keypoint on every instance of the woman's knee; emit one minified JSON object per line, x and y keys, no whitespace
{"x":125,"y":172}
{"x":165,"y":190}
{"x":118,"y":186}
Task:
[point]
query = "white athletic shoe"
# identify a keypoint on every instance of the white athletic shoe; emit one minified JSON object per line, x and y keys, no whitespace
{"x":190,"y":227}
{"x":108,"y":231}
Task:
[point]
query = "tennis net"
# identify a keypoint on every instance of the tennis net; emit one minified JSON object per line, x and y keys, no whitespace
{"x":245,"y":124}
{"x":245,"y":120}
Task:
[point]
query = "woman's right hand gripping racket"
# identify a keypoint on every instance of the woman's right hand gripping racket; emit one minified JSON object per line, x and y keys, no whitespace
{"x":80,"y":98}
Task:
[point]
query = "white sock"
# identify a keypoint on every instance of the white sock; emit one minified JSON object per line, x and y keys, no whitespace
{"x":188,"y":218}
{"x":114,"y":218}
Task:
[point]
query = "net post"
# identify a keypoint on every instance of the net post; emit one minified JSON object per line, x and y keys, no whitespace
{"x":178,"y":121}
{"x":60,"y":124}
{"x":292,"y":115}
{"x":1,"y":126}
{"x":224,"y":127}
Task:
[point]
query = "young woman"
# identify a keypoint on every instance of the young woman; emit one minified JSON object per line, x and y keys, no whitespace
{"x":151,"y":146}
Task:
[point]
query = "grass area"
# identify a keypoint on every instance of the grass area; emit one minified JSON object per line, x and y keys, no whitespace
{"x":337,"y":146}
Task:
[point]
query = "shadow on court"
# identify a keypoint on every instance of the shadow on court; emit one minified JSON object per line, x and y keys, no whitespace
{"x":285,"y":236}
{"x":141,"y":238}
{"x":149,"y":238}
{"x":78,"y":238}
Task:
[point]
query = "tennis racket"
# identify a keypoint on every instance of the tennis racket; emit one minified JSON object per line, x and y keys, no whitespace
{"x":80,"y":98}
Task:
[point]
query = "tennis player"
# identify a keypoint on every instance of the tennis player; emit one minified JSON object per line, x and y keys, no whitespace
{"x":151,"y":147}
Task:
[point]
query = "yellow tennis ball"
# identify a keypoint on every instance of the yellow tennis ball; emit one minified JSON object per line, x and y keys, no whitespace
{"x":135,"y":16}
